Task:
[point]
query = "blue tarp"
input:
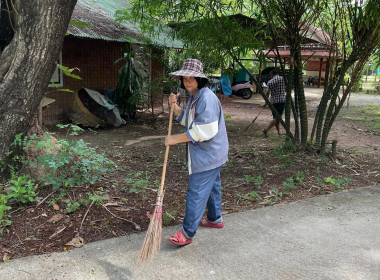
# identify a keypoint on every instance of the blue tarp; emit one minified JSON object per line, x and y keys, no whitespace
{"x":226,"y":84}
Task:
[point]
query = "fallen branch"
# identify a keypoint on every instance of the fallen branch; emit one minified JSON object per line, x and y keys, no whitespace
{"x":85,"y":215}
{"x":136,"y":225}
{"x":44,"y":199}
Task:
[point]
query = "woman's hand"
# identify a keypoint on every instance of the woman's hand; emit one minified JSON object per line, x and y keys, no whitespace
{"x":173,"y":98}
{"x":170,"y":140}
{"x":176,"y":139}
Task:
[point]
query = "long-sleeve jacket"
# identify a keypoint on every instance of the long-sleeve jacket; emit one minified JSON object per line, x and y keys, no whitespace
{"x":204,"y":121}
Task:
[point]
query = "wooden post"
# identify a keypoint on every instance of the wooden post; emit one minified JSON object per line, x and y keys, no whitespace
{"x":320,"y":72}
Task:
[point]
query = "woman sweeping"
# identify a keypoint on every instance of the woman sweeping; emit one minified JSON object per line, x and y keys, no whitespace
{"x":206,"y":148}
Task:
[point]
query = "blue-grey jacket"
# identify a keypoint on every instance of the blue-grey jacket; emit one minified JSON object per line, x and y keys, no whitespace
{"x":204,"y":121}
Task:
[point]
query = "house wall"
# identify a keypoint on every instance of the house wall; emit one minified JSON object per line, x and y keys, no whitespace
{"x":95,"y":60}
{"x":312,"y":68}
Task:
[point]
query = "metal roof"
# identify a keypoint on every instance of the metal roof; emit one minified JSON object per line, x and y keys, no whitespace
{"x":98,"y":17}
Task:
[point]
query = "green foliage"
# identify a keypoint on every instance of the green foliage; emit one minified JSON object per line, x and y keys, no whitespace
{"x":65,"y":163}
{"x":294,"y":181}
{"x":69,"y":72}
{"x":21,"y":190}
{"x":358,"y":85}
{"x":299,"y":177}
{"x":284,"y":153}
{"x":130,"y":85}
{"x":320,"y":181}
{"x":97,"y":197}
{"x":248,"y":150}
{"x":338,"y":183}
{"x":252,"y":196}
{"x":289,"y":185}
{"x":231,"y":162}
{"x":139,"y":183}
{"x":71,"y":206}
{"x":4,"y":216}
{"x":79,"y":23}
{"x":258,"y":180}
{"x":277,"y":194}
{"x":168,"y":216}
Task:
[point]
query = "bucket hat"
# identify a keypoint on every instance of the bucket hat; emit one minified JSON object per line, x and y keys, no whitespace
{"x":190,"y":67}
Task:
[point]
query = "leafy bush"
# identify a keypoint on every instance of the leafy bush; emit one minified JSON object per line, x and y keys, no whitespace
{"x":4,"y":216}
{"x":64,"y":163}
{"x":130,"y":85}
{"x":21,"y":190}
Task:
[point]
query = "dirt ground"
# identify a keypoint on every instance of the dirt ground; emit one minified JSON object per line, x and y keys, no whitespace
{"x":259,"y":173}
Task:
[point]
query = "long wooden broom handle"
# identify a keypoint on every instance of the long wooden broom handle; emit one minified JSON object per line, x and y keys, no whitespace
{"x":167,"y":151}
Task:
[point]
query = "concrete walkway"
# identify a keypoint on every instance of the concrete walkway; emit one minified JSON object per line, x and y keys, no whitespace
{"x":334,"y":236}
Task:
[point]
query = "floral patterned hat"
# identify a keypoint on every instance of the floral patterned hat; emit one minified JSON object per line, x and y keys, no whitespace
{"x":190,"y":67}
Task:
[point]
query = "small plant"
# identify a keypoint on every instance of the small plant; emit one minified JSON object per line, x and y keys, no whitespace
{"x":139,"y":184}
{"x":85,"y":201}
{"x":299,"y":177}
{"x":71,"y":206}
{"x":338,"y":183}
{"x":72,"y":129}
{"x":21,"y":189}
{"x":248,"y":150}
{"x":97,"y":198}
{"x":289,"y":185}
{"x":252,"y":196}
{"x":231,"y":162}
{"x":320,"y":181}
{"x":269,"y":201}
{"x":4,"y":216}
{"x":227,"y":116}
{"x":258,"y":181}
{"x":168,"y":216}
{"x":277,"y":194}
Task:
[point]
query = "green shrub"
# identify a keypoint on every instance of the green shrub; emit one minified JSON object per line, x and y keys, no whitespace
{"x":65,"y":163}
{"x":4,"y":216}
{"x":21,"y":190}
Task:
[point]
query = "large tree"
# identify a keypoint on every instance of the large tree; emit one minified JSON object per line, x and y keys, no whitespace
{"x":28,"y":62}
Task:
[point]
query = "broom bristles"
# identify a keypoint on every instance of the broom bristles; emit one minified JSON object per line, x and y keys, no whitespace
{"x":152,"y":241}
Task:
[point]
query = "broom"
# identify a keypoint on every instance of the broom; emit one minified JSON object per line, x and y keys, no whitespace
{"x":251,"y":124}
{"x":153,"y":236}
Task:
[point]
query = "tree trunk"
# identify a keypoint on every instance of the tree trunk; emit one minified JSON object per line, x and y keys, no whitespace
{"x":300,"y":94}
{"x":329,"y":114}
{"x":28,"y":62}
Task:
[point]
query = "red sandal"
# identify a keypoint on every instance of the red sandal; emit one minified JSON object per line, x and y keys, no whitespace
{"x":180,"y":239}
{"x":206,"y":223}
